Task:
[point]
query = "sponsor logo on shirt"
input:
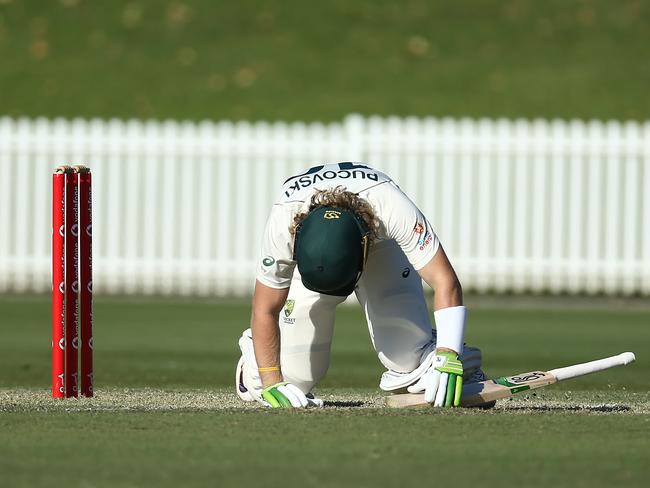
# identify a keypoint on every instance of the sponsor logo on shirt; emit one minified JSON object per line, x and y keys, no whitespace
{"x":268,"y":261}
{"x":418,"y":229}
{"x":425,"y":240}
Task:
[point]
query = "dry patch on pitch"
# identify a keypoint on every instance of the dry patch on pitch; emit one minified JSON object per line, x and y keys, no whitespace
{"x":157,"y":400}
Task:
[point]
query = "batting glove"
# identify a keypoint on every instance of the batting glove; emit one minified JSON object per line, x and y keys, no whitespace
{"x":443,"y":383}
{"x":286,"y":395}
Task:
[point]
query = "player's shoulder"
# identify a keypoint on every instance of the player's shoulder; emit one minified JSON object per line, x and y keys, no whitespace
{"x":354,"y":176}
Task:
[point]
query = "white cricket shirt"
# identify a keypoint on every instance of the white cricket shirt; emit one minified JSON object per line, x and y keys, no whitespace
{"x":398,"y":217}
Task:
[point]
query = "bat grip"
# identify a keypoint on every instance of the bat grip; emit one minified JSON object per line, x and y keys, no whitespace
{"x":592,"y":366}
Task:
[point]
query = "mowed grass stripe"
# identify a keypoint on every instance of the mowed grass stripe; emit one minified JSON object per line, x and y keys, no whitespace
{"x":193,"y":345}
{"x":339,"y":449}
{"x":165,"y":414}
{"x":294,"y":60}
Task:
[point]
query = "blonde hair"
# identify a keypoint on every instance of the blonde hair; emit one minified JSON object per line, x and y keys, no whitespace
{"x":339,"y":197}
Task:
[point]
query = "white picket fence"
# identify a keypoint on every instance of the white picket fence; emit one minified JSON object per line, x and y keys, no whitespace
{"x":179,"y":207}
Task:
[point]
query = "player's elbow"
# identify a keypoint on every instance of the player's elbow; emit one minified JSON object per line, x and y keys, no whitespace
{"x":449,"y":285}
{"x":265,"y":312}
{"x":447,"y":290}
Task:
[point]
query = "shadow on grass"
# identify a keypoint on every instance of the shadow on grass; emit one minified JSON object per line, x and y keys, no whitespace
{"x":571,"y":408}
{"x":342,"y":404}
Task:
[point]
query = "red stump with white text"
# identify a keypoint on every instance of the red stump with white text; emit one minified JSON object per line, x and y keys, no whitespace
{"x":71,"y":286}
{"x":71,"y":282}
{"x":85,"y":279}
{"x":58,"y":284}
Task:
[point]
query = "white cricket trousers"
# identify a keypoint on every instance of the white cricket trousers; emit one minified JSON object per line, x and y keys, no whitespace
{"x":390,"y":293}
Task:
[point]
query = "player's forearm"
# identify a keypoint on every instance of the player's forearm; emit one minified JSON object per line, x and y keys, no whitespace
{"x":450,"y":315}
{"x":448,"y":293}
{"x":267,"y":303}
{"x":266,"y":342}
{"x":440,"y":275}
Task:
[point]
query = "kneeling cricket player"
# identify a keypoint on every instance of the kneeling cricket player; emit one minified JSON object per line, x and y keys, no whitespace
{"x":338,"y":229}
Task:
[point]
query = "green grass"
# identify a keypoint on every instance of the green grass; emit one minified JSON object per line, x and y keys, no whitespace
{"x":194,"y":344}
{"x":337,"y":449}
{"x":592,"y":431}
{"x":293,"y":60}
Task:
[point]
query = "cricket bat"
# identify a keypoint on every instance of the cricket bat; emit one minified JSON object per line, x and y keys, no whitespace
{"x":478,"y":393}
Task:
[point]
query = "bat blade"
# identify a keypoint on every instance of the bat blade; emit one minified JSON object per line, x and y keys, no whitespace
{"x":486,"y":391}
{"x":478,"y":393}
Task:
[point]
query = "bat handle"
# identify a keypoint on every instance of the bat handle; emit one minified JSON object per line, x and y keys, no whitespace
{"x":592,"y":366}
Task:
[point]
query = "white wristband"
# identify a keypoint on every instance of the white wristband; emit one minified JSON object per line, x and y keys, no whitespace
{"x":450,"y":327}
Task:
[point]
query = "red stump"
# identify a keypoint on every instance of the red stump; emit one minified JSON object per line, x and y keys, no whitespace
{"x":86,"y":282}
{"x":58,"y":285}
{"x":71,"y":282}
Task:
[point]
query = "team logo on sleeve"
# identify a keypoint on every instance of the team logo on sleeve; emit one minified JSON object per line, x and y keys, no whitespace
{"x":268,"y":261}
{"x":418,"y":229}
{"x":288,"y":310}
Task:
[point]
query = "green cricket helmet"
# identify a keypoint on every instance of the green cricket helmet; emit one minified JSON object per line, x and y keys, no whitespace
{"x":331,"y":248}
